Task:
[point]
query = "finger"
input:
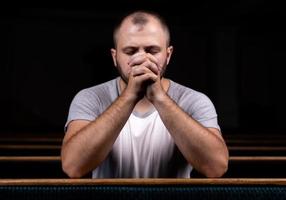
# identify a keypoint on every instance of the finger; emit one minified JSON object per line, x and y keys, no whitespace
{"x":139,"y":70}
{"x":146,"y":67}
{"x":137,"y":59}
{"x":152,"y":66}
{"x":147,"y":77}
{"x":152,"y":58}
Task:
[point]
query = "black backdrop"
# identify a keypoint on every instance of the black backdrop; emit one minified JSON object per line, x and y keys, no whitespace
{"x":233,"y":52}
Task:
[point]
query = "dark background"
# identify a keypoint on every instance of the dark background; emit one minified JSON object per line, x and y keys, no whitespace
{"x":232,"y":51}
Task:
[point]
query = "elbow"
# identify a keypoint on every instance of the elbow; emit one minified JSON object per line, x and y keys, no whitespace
{"x":70,"y":168}
{"x":217,"y":172}
{"x":71,"y":173}
{"x":218,"y":169}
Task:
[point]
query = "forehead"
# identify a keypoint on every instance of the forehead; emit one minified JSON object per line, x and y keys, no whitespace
{"x":133,"y":34}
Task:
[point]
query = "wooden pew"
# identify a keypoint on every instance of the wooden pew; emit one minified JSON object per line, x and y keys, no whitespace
{"x":31,"y":138}
{"x":30,"y":150}
{"x":31,"y":167}
{"x":38,"y":157}
{"x":50,"y":167}
{"x":167,"y":189}
{"x":257,"y":150}
{"x":50,"y":144}
{"x":54,"y":150}
{"x":256,"y":144}
{"x":255,"y":139}
{"x":254,"y":167}
{"x":23,"y":144}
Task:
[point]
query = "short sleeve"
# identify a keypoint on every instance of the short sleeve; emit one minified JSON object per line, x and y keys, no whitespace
{"x":204,"y":112}
{"x":84,"y":106}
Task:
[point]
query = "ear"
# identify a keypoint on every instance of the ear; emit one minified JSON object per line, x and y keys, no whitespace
{"x":113,"y":54}
{"x":169,"y":53}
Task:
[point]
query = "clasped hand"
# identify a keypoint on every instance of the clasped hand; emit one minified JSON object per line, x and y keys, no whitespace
{"x":145,"y":75}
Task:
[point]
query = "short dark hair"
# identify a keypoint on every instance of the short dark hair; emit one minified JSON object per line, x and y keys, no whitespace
{"x":140,"y":17}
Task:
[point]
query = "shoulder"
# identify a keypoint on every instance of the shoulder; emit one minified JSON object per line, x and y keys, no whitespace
{"x":189,"y":99}
{"x":90,"y":102}
{"x":180,"y":92}
{"x":103,"y":90}
{"x":195,"y":103}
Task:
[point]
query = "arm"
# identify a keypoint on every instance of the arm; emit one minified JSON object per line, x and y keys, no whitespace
{"x":86,"y":144}
{"x":204,"y":148}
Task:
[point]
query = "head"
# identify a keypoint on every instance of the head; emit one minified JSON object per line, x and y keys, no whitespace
{"x":141,"y":32}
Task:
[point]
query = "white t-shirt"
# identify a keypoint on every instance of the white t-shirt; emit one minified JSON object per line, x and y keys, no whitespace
{"x":144,"y":147}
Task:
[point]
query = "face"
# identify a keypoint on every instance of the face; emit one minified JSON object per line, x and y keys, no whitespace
{"x":133,"y":40}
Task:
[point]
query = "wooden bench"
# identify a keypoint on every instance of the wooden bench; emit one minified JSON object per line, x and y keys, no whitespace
{"x":50,"y":145}
{"x":50,"y":167}
{"x":54,"y":150}
{"x":167,"y":189}
{"x":257,"y":150}
{"x":31,"y":167}
{"x":31,"y":138}
{"x":23,"y":144}
{"x":30,"y":150}
{"x":254,"y":167}
{"x":255,"y":139}
{"x":38,"y":156}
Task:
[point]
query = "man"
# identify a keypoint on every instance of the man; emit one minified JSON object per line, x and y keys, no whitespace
{"x":141,"y":124}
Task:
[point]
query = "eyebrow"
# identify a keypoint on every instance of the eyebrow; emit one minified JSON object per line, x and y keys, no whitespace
{"x":129,"y":47}
{"x":146,"y":47}
{"x":153,"y":47}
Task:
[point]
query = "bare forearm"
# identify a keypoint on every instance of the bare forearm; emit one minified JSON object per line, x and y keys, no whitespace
{"x":202,"y":148}
{"x":86,"y":149}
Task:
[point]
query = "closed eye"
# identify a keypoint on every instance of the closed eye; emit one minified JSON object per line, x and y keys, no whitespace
{"x":153,"y":50}
{"x":130,"y":50}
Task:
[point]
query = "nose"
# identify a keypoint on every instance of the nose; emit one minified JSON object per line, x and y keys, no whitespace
{"x":140,"y":52}
{"x":139,"y":55}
